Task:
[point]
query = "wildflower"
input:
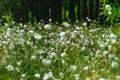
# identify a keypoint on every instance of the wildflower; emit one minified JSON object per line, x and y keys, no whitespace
{"x":114,"y":64}
{"x":37,"y":36}
{"x":33,"y":57}
{"x":48,"y":75}
{"x":47,"y":26}
{"x":108,"y":7}
{"x":109,"y":12}
{"x":31,"y":31}
{"x":22,"y":31}
{"x":51,"y":34}
{"x":111,"y":56}
{"x":37,"y":75}
{"x":87,"y":17}
{"x":77,"y":28}
{"x":10,"y":68}
{"x":62,"y":75}
{"x":72,"y":67}
{"x":19,"y":63}
{"x":62,"y":34}
{"x":113,"y":38}
{"x":105,"y":52}
{"x":20,"y":24}
{"x":102,"y":69}
{"x":88,"y":79}
{"x":23,"y":75}
{"x":73,"y":35}
{"x":66,"y":24}
{"x":68,"y":42}
{"x":52,"y":54}
{"x":76,"y":76}
{"x":8,"y":32}
{"x":112,"y":35}
{"x":110,"y":47}
{"x":98,"y":52}
{"x":50,"y":20}
{"x":116,"y":58}
{"x":29,"y":43}
{"x":86,"y":68}
{"x":63,"y":61}
{"x":101,"y":44}
{"x":118,"y":77}
{"x":89,"y":20}
{"x":25,"y":26}
{"x":84,"y":24}
{"x":46,"y":62}
{"x":101,"y":78}
{"x":83,"y":48}
{"x":63,"y":54}
{"x":17,"y":69}
{"x":6,"y":24}
{"x":13,"y":22}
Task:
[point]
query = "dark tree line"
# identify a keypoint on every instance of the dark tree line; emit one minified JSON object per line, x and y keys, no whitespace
{"x":56,"y":10}
{"x":84,"y":10}
{"x":25,"y":10}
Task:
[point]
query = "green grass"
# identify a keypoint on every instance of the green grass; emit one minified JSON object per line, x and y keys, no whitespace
{"x":69,"y":52}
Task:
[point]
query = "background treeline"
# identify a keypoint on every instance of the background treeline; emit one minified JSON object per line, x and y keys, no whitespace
{"x":57,"y":10}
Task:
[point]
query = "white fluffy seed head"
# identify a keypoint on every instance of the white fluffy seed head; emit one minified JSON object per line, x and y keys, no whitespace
{"x":108,"y":7}
{"x":37,"y":75}
{"x":114,"y":64}
{"x":48,"y":26}
{"x":66,"y":24}
{"x":62,"y":34}
{"x":10,"y":68}
{"x":118,"y":77}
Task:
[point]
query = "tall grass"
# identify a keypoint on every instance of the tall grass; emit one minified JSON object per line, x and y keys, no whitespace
{"x":48,"y":52}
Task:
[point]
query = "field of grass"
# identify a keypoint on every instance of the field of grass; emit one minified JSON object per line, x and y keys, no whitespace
{"x":48,"y":52}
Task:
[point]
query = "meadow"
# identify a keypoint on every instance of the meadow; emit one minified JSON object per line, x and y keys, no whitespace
{"x":47,"y":51}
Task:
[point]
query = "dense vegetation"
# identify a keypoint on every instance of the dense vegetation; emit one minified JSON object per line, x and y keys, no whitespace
{"x":57,"y":10}
{"x":59,"y":40}
{"x":70,"y":52}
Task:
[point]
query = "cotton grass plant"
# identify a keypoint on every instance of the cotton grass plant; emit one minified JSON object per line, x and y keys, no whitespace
{"x":47,"y":52}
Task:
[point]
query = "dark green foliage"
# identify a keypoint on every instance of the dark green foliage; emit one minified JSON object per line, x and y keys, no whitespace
{"x":57,"y":10}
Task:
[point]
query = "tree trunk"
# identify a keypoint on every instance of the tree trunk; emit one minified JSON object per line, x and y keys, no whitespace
{"x":71,"y":10}
{"x":59,"y":10}
{"x":78,"y":10}
{"x":97,"y":9}
{"x":53,"y":10}
{"x":84,"y":9}
{"x":91,"y":9}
